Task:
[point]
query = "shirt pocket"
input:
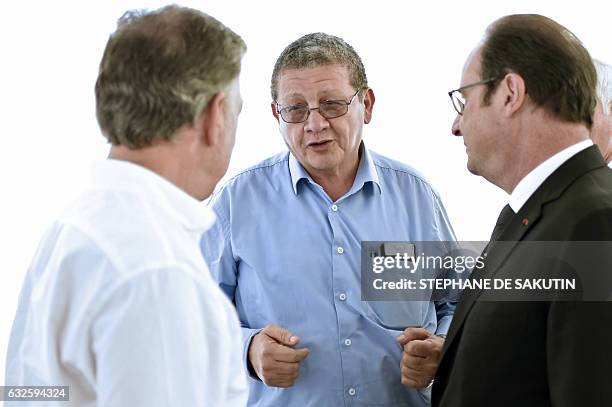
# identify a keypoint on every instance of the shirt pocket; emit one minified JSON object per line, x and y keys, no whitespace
{"x":396,"y":315}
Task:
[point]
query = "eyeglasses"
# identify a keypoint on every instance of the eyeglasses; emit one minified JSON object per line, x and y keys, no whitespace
{"x":458,"y":99}
{"x":330,"y":109}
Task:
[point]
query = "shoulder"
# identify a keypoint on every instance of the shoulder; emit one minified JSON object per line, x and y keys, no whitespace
{"x":126,"y":229}
{"x":589,"y":192}
{"x":398,"y":172}
{"x":269,"y":173}
{"x":581,"y":210}
{"x":269,"y":167}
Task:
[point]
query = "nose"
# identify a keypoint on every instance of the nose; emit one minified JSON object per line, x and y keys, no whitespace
{"x":315,"y":122}
{"x":455,"y":129}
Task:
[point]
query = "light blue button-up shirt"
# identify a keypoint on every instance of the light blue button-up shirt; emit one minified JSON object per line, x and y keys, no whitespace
{"x":287,"y":255}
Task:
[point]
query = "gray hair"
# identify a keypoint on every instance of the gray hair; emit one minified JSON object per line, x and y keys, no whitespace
{"x":159,"y":71}
{"x":319,"y":49}
{"x":604,"y":85}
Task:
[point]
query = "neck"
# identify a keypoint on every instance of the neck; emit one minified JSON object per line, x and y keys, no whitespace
{"x":169,"y":160}
{"x":339,"y":181}
{"x":534,"y":145}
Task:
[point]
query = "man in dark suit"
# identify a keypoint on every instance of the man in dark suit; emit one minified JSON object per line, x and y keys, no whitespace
{"x":524,"y":109}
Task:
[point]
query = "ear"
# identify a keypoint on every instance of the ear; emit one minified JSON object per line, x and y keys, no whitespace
{"x":368,"y":101}
{"x":513,"y":93}
{"x":212,"y":121}
{"x":274,"y":112}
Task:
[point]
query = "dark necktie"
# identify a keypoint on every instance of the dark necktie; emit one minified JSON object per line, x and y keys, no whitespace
{"x":504,"y":218}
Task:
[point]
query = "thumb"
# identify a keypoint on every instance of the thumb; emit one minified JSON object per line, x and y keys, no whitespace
{"x":301,"y":354}
{"x":281,"y":335}
{"x":411,"y":334}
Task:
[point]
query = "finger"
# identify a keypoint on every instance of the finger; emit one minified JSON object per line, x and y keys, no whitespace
{"x":281,"y":335}
{"x":408,"y":378}
{"x":408,"y":382}
{"x":284,"y":354}
{"x":419,"y":348}
{"x":413,"y":333}
{"x":436,"y":341}
{"x":284,"y":383}
{"x":413,"y":383}
{"x":284,"y":380}
{"x":414,"y":362}
{"x":415,"y":378}
{"x":286,"y":368}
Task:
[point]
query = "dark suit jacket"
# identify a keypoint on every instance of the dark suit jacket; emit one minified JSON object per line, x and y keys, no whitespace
{"x":546,"y":353}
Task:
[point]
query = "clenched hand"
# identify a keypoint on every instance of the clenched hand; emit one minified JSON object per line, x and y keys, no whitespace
{"x":422,"y":351}
{"x":273,"y":358}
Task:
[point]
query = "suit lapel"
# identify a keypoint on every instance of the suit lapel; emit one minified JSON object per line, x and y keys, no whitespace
{"x":551,"y":189}
{"x":496,"y":255}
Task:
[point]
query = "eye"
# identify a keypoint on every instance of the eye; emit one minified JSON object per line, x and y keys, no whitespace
{"x":294,"y":108}
{"x":332,"y":105}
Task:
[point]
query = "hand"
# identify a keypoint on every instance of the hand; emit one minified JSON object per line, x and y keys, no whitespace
{"x":272,"y":357}
{"x":422,"y":351}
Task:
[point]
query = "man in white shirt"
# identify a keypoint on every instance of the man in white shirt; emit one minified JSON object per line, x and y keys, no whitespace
{"x":118,"y":303}
{"x":524,"y":110}
{"x":601,"y":132}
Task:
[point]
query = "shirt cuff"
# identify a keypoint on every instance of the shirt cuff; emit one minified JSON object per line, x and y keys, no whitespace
{"x":247,"y":336}
{"x":444,"y":325}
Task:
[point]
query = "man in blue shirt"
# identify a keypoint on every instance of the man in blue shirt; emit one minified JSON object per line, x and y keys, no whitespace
{"x":286,"y":247}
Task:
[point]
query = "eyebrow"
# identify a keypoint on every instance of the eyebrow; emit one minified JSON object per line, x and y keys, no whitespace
{"x":323,"y":94}
{"x":293,"y":94}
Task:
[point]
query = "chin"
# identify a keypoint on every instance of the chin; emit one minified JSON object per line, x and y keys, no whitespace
{"x":321,"y":163}
{"x":472,"y":168}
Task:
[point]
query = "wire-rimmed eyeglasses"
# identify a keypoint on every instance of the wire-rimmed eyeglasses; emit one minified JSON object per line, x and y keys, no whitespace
{"x":457,"y":98}
{"x":330,"y":109}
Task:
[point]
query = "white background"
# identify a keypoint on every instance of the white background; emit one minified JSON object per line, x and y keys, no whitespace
{"x":413,"y":55}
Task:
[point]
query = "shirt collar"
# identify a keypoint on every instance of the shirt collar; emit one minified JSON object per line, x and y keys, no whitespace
{"x":128,"y":177}
{"x":531,"y":182}
{"x":366,"y":172}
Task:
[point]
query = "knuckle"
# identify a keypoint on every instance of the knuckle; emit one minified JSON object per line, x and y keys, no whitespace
{"x":271,"y":329}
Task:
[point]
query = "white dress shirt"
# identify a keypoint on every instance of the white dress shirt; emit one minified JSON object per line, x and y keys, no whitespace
{"x":532,"y":181}
{"x":119,"y":305}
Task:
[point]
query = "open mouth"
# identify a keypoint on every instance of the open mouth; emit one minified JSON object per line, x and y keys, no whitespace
{"x":319,"y":145}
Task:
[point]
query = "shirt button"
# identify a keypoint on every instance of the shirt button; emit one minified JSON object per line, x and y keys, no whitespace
{"x":352,"y":391}
{"x":335,"y":208}
{"x":342,"y":296}
{"x":347,"y":342}
{"x":340,"y":250}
